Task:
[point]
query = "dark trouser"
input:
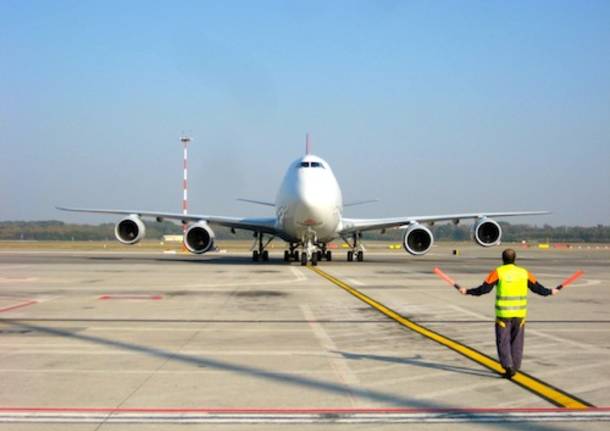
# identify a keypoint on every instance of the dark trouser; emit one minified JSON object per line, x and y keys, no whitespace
{"x":509,"y":340}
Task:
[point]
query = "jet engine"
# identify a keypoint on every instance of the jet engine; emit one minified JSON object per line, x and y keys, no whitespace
{"x":130,"y":230}
{"x":487,"y":232}
{"x":199,"y":238}
{"x":418,"y":239}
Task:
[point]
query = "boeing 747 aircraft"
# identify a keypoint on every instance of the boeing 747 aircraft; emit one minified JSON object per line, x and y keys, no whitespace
{"x":308,"y":216}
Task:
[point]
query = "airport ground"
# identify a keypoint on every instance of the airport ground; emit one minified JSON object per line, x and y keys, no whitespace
{"x":111,"y":338}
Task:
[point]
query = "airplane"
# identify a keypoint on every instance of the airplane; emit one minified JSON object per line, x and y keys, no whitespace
{"x":308,"y":216}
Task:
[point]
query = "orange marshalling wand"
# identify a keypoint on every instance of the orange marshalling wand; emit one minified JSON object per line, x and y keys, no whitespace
{"x":445,"y":277}
{"x":570,"y":279}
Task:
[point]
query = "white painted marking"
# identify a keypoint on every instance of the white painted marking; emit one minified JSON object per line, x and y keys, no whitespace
{"x":12,"y":267}
{"x":18,"y":279}
{"x":587,"y":330}
{"x":337,"y":361}
{"x":584,"y":283}
{"x":112,"y":352}
{"x":533,"y":398}
{"x":499,"y":382}
{"x":216,"y":329}
{"x":539,"y":333}
{"x":298,"y":274}
{"x":324,"y":417}
{"x":354,"y":281}
{"x":392,"y":381}
{"x":581,"y":283}
{"x":113,"y":371}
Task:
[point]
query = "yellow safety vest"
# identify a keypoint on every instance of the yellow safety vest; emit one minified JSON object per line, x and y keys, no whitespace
{"x":511,"y":291}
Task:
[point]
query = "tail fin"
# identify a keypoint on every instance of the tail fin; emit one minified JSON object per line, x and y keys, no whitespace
{"x":307,"y":144}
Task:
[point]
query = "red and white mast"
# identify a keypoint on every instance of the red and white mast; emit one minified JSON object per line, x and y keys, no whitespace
{"x":185,"y":140}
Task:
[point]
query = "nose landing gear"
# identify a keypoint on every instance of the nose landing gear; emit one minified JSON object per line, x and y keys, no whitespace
{"x":309,"y":253}
{"x":312,"y":251}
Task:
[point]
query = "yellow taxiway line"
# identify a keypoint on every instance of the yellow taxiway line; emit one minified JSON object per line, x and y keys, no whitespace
{"x":554,"y":395}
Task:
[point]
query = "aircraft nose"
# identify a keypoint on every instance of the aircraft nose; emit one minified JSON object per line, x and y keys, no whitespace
{"x":310,"y":214}
{"x":312,"y":205}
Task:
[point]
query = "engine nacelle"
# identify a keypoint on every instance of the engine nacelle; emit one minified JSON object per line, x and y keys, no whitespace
{"x":418,"y":240}
{"x":487,"y":232}
{"x":130,"y":230}
{"x":199,"y":238}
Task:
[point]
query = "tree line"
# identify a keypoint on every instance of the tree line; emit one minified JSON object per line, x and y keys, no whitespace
{"x":59,"y":231}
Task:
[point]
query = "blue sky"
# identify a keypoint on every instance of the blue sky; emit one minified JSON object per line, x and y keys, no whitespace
{"x":431,"y":107}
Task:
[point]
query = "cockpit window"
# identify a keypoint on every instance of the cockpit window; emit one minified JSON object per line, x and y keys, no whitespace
{"x":311,"y":165}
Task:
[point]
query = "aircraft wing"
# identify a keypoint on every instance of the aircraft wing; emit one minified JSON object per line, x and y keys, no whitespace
{"x":352,"y":225}
{"x":258,"y":224}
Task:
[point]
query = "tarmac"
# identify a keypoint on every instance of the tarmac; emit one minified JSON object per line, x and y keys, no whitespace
{"x":144,"y":340}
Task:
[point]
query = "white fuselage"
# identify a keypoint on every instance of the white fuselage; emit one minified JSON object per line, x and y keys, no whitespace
{"x":309,"y":204}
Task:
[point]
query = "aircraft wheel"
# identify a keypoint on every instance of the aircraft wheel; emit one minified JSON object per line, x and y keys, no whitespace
{"x":303,"y":259}
{"x":329,"y":255}
{"x":318,"y":255}
{"x":350,"y":256}
{"x":255,"y":256}
{"x":295,"y":255}
{"x":314,"y":258}
{"x":265,"y":255}
{"x":360,"y":256}
{"x":286,"y":256}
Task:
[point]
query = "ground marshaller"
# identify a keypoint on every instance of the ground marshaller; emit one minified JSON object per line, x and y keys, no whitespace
{"x":512,"y":283}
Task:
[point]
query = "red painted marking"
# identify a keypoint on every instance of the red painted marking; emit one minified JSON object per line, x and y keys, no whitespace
{"x":296,"y":410}
{"x":153,"y":297}
{"x":444,"y":276}
{"x":20,"y":305}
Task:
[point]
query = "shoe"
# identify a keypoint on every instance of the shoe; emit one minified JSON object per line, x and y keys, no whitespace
{"x":509,"y":373}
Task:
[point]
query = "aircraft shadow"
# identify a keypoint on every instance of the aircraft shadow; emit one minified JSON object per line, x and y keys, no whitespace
{"x":260,"y":373}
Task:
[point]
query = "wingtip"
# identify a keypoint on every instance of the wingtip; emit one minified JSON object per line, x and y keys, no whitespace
{"x":68,"y":209}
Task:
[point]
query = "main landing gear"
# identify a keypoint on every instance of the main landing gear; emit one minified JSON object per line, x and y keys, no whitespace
{"x":356,"y":251}
{"x":291,"y":255}
{"x":325,"y":254}
{"x":260,"y":253}
{"x":358,"y":255}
